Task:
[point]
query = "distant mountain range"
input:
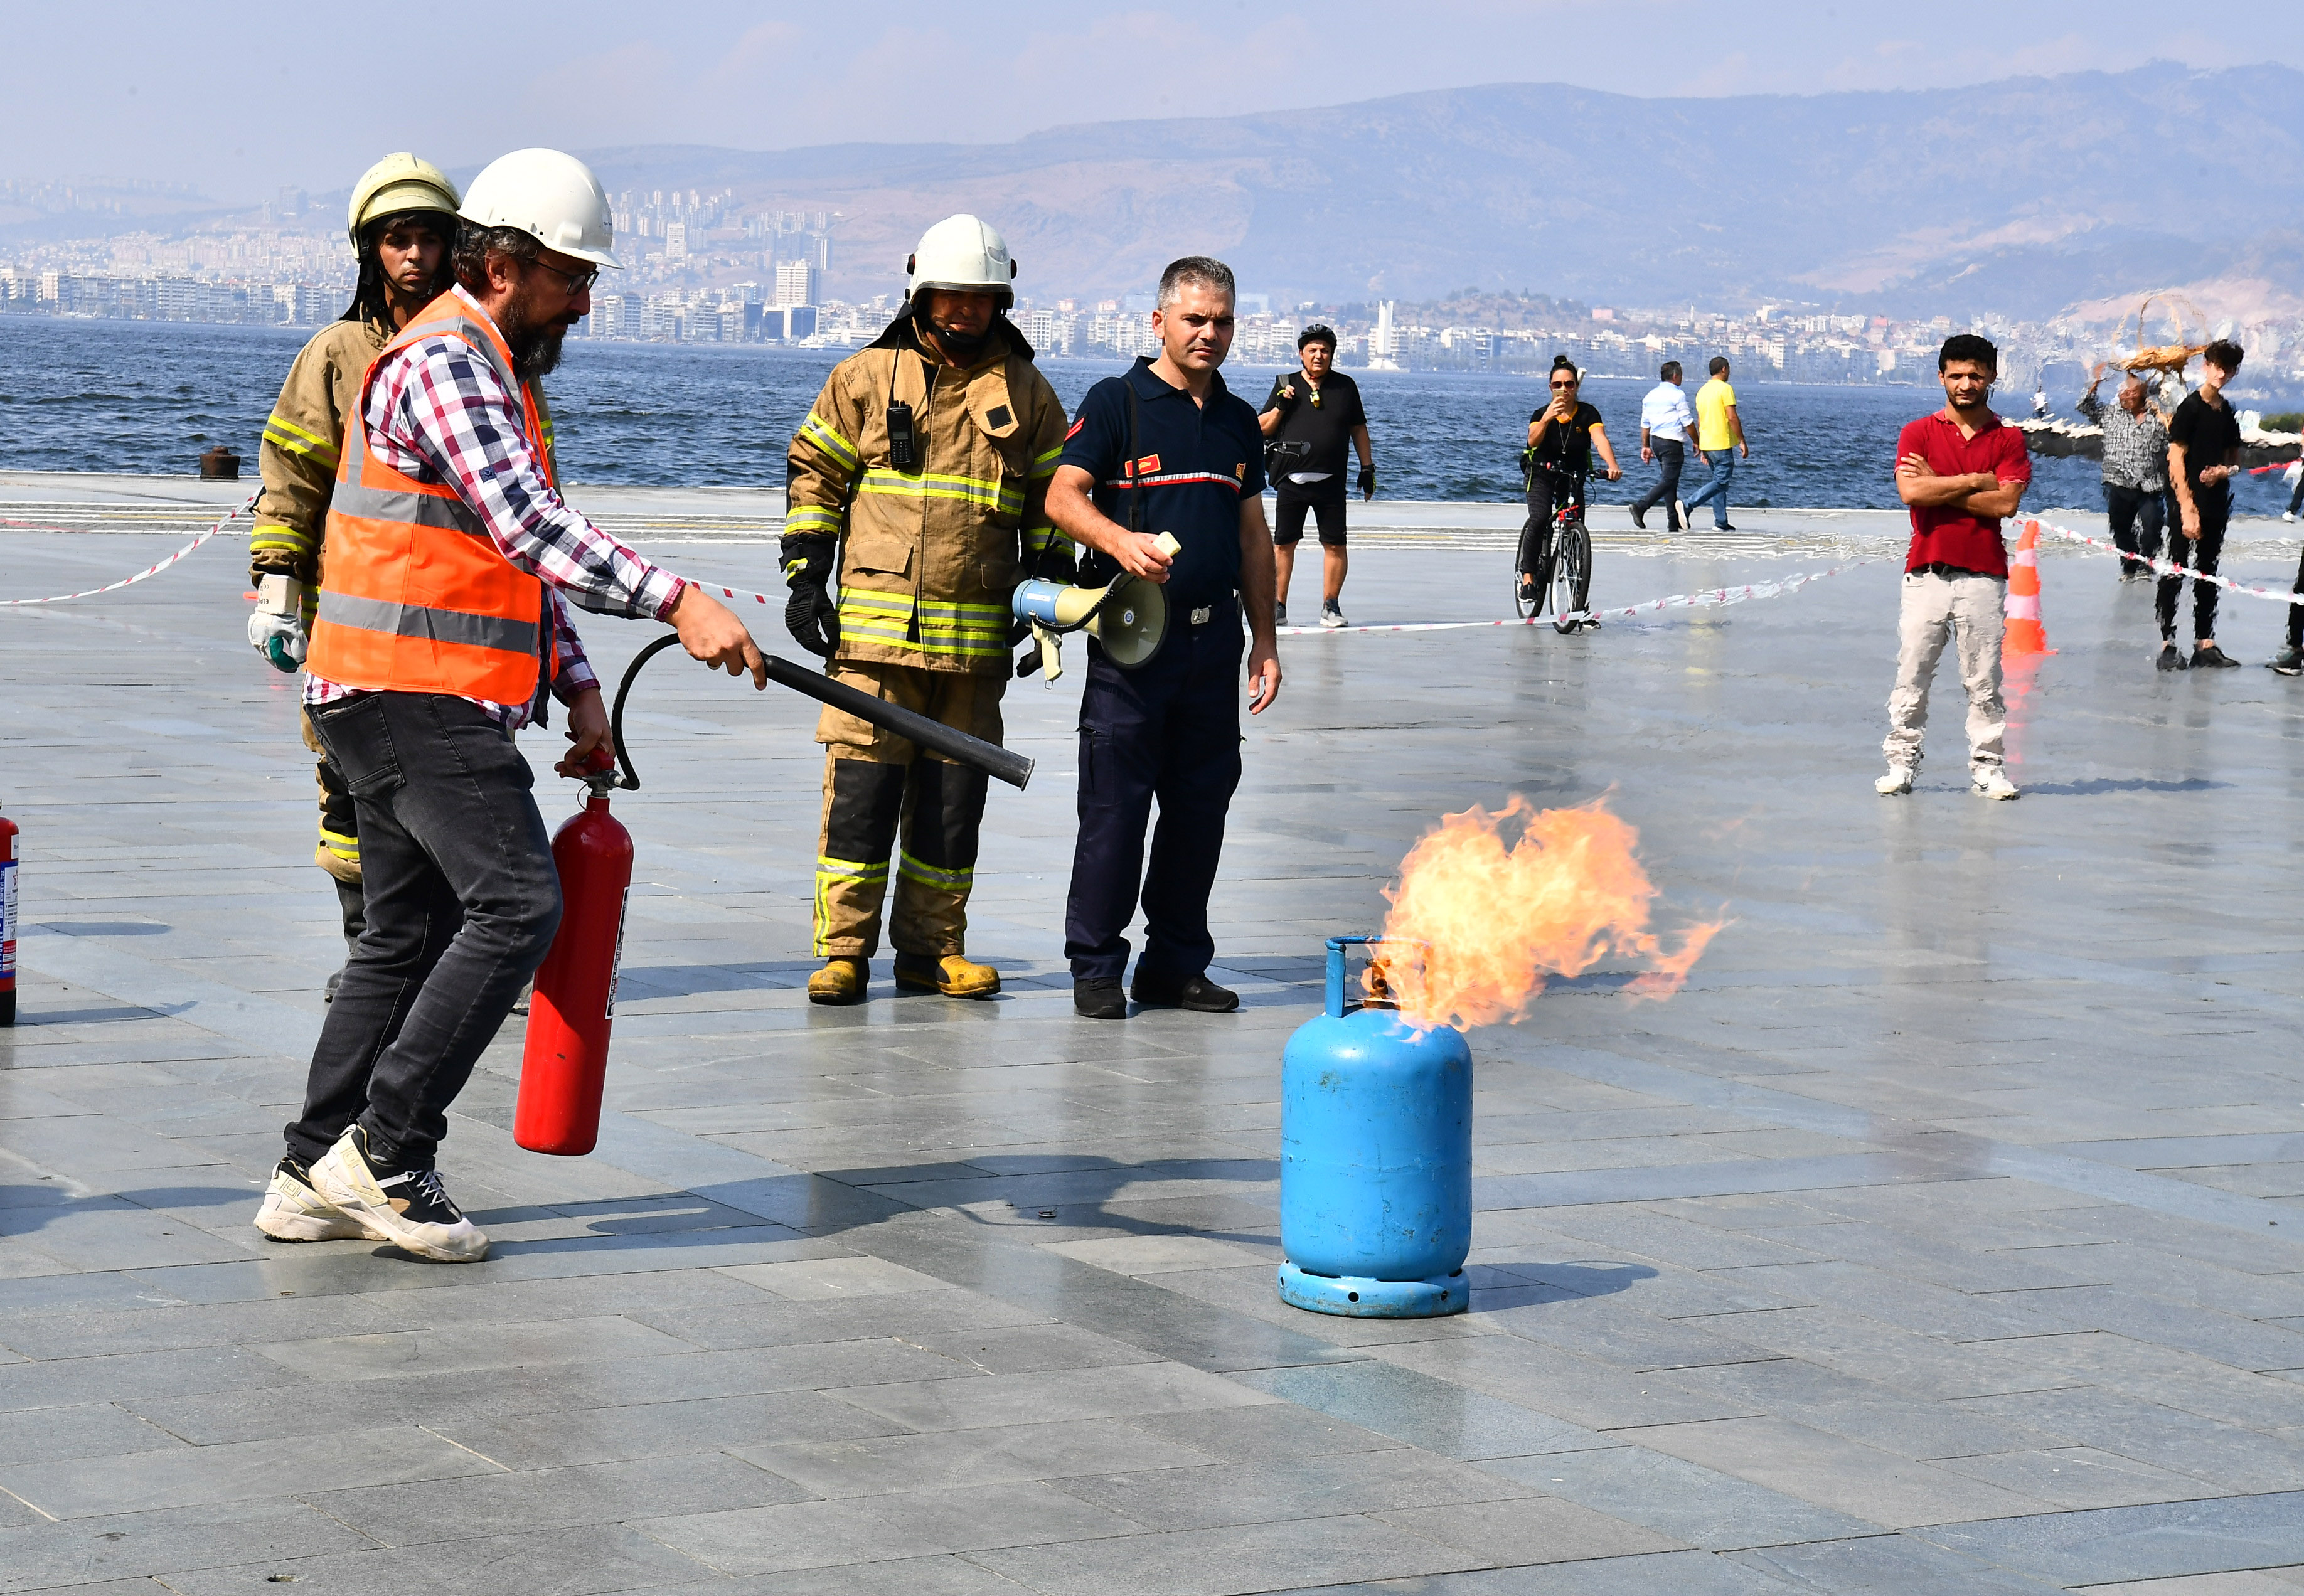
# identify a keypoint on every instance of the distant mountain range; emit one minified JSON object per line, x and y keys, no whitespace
{"x":2022,"y":196}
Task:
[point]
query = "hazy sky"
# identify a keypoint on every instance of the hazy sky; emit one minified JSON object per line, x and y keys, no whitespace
{"x":241,"y":98}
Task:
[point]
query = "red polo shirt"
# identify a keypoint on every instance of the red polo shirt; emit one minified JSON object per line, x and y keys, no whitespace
{"x":1942,"y":533}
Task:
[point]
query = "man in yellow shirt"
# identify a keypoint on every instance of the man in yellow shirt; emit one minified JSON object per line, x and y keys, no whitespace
{"x":1719,"y":435}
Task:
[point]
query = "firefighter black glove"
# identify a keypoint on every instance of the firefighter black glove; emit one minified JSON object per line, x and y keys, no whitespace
{"x":811,"y":616}
{"x":1058,"y":562}
{"x":1367,"y":482}
{"x":1284,"y":397}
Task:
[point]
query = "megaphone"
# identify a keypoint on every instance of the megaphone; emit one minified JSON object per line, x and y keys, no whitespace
{"x":1128,"y":615}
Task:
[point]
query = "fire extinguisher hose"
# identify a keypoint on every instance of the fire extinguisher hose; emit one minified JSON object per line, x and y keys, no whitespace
{"x":955,"y":745}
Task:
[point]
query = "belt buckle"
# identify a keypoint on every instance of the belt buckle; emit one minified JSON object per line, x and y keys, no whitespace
{"x":1200,"y":616}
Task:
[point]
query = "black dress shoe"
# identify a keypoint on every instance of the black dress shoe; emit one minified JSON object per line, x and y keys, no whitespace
{"x":1638,"y":519}
{"x":1099,"y":997}
{"x":1199,"y":994}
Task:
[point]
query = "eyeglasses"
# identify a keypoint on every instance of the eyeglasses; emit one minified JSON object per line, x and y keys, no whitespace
{"x":577,"y":283}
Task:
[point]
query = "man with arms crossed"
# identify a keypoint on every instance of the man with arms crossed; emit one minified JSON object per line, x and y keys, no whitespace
{"x":1664,"y":421}
{"x":2203,"y":453}
{"x":1315,"y":410}
{"x":1961,"y":470}
{"x":1167,"y":448}
{"x":1719,"y":435}
{"x":440,"y":631}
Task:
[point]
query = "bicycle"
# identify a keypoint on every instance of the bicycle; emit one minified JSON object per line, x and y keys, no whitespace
{"x":1554,"y":564}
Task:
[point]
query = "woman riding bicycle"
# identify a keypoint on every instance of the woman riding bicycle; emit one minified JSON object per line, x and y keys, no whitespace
{"x":1560,"y":438}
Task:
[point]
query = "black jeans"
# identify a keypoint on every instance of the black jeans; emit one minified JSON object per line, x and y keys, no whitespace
{"x":1547,"y":495}
{"x":2214,"y":505}
{"x":462,"y":900}
{"x":1169,"y":729}
{"x":1670,"y":456}
{"x":2135,"y":522}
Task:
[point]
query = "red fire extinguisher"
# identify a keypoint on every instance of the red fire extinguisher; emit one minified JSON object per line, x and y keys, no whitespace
{"x":7,"y":921}
{"x":565,"y":1062}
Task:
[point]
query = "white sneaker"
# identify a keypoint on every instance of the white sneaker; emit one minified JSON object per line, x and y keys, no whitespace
{"x":1992,"y":781}
{"x":1331,"y":617}
{"x":1896,"y":783}
{"x":411,"y":1209}
{"x":293,"y":1211}
{"x":2287,"y":515}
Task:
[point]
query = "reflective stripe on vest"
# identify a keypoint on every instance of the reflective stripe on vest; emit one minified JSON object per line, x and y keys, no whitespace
{"x":418,"y":597}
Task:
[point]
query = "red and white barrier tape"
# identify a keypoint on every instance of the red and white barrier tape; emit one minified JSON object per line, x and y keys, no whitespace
{"x":1711,"y":598}
{"x":149,"y":572}
{"x":2169,"y":568}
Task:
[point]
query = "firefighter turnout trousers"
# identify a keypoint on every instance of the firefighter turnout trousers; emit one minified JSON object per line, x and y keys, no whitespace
{"x":877,"y":785}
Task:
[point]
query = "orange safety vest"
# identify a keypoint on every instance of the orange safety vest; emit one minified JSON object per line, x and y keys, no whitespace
{"x":420,"y":598}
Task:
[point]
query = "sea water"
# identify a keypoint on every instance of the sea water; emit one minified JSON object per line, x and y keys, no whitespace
{"x":149,"y":397}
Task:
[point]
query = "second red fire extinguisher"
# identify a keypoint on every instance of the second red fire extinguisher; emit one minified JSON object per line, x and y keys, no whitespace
{"x":564,"y":1066}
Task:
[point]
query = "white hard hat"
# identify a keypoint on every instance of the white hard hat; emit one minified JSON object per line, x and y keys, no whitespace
{"x":961,"y":252}
{"x":396,"y":184}
{"x":549,"y":194}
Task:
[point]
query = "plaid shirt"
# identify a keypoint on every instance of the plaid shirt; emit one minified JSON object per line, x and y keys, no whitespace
{"x":436,"y":413}
{"x":2135,"y":447}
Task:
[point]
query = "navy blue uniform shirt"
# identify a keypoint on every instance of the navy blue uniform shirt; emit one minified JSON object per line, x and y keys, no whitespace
{"x":1193,"y":464}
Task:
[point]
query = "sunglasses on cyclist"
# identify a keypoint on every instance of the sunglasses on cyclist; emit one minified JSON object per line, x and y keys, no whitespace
{"x":577,"y":282}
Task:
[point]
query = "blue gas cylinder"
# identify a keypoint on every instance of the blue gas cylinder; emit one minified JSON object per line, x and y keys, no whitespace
{"x":1375,"y":1161}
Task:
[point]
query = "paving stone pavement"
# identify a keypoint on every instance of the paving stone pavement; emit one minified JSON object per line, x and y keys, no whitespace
{"x":1945,"y":1235}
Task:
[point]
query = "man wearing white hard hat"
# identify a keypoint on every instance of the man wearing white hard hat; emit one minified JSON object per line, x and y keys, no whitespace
{"x":442,"y":630}
{"x":402,"y":223}
{"x":919,"y":482}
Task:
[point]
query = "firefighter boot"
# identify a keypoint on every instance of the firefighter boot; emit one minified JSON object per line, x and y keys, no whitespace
{"x":862,"y":799}
{"x":953,"y":975}
{"x":840,"y":981}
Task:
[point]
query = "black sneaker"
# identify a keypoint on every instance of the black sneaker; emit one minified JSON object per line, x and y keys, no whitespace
{"x":2289,"y":662}
{"x":1723,"y":527}
{"x":2209,"y":657}
{"x":2170,"y":660}
{"x":1638,"y":519}
{"x":1199,"y":994}
{"x":1099,"y":997}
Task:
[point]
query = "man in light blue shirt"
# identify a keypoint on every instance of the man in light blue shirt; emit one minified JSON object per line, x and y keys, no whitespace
{"x":1666,"y":418}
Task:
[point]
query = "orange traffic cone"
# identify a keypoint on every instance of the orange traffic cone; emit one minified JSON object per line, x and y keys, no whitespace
{"x":2025,"y":633}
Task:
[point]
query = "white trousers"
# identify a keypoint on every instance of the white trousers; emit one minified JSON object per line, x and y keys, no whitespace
{"x":1968,"y":612}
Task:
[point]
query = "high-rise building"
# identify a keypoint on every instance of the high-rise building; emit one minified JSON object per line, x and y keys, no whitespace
{"x":796,"y":282}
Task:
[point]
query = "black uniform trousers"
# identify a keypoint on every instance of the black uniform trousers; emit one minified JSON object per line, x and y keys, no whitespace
{"x":1170,"y":730}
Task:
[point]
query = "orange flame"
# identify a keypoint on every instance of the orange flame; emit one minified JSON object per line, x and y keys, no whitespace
{"x":1501,"y":918}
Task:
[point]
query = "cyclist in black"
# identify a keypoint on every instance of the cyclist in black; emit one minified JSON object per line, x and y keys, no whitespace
{"x":1560,"y":438}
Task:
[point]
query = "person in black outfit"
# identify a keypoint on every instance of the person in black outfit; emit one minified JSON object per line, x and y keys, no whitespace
{"x":1561,"y":439}
{"x":2203,"y":453}
{"x":1167,"y":448}
{"x":1309,"y":416}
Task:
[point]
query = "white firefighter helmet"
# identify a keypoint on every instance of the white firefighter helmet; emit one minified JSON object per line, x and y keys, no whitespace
{"x":961,"y":252}
{"x":548,"y":194}
{"x":396,"y":184}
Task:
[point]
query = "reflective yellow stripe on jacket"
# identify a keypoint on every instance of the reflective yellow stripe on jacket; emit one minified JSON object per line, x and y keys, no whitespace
{"x":284,"y":433}
{"x":943,"y":628}
{"x":984,"y":493}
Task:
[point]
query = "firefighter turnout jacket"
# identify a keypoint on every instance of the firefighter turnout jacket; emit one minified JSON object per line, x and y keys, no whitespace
{"x":930,"y":553}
